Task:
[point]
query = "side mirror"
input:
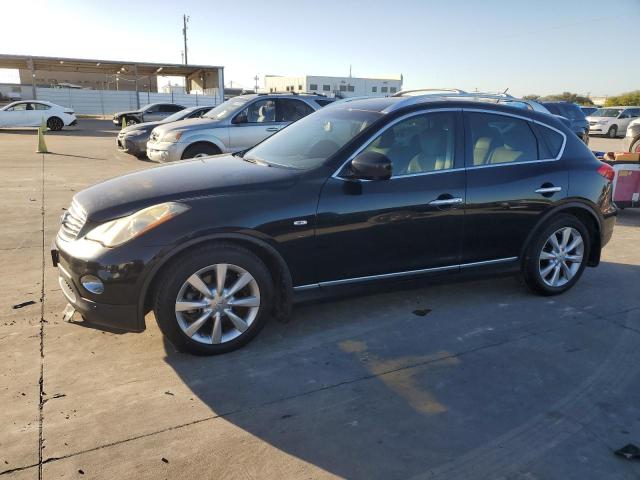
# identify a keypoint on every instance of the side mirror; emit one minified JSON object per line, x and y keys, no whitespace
{"x":371,"y":166}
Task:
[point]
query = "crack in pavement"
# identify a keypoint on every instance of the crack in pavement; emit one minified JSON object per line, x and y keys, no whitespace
{"x":41,"y":380}
{"x":307,"y":393}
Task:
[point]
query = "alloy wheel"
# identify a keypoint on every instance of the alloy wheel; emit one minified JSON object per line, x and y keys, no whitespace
{"x":561,"y":257}
{"x":217,"y":304}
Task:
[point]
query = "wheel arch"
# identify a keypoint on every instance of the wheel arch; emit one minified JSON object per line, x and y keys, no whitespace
{"x":267,"y":253}
{"x":52,"y":117}
{"x":586,"y":214}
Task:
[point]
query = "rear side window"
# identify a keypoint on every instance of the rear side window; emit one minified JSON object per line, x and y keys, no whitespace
{"x":501,"y":139}
{"x":288,"y":110}
{"x":552,"y":142}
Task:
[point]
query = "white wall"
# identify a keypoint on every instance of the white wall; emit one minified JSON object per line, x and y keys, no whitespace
{"x":361,"y":86}
{"x":106,"y":102}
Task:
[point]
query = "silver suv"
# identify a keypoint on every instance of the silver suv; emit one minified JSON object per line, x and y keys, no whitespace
{"x":232,"y":126}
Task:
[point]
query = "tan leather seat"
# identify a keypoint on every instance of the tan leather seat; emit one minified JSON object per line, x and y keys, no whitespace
{"x":433,"y":153}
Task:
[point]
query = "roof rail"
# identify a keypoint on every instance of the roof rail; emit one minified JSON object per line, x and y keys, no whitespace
{"x":292,"y":93}
{"x":405,"y":93}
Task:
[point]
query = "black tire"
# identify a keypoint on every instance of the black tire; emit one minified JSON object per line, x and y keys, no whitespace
{"x":635,"y":145}
{"x":613,"y":131}
{"x":177,"y":273}
{"x":200,"y":150}
{"x":531,"y":262}
{"x":55,"y":124}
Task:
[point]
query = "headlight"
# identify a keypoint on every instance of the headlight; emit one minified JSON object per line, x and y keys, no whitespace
{"x":602,"y":122}
{"x":121,"y":230}
{"x":171,"y":137}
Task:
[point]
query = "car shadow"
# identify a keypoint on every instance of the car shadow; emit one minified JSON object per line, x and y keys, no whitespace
{"x":374,"y":386}
{"x":86,"y":127}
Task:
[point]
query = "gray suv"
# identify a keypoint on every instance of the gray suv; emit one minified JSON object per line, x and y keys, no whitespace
{"x":235,"y":125}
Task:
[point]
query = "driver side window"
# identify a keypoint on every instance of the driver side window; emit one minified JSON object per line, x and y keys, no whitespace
{"x":420,"y":144}
{"x":21,"y":107}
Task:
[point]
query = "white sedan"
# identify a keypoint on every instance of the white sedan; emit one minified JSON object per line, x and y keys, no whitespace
{"x":29,"y":113}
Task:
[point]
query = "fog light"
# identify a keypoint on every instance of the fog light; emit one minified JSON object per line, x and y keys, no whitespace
{"x":92,"y":284}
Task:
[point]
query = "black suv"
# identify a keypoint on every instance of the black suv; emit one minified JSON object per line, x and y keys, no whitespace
{"x":363,"y":191}
{"x":574,"y":114}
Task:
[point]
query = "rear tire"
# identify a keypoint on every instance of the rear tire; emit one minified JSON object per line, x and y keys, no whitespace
{"x":176,"y":288}
{"x":613,"y":131}
{"x":635,"y":145}
{"x":55,"y":124}
{"x":550,"y":271}
{"x":200,"y":150}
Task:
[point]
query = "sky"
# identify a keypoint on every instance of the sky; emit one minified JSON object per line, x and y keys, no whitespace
{"x":541,"y":46}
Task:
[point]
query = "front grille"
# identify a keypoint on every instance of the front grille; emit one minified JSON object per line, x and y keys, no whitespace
{"x":72,"y":222}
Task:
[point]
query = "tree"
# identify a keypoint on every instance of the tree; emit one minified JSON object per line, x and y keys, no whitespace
{"x":568,"y":97}
{"x":531,"y":96}
{"x":628,"y":98}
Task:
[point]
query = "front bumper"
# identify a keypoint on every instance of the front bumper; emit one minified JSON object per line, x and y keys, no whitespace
{"x":118,"y":307}
{"x":134,"y":145}
{"x":164,"y":151}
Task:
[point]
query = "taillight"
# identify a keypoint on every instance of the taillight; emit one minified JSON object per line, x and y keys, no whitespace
{"x":607,"y":171}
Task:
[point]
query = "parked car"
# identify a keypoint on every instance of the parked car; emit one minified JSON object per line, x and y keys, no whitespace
{"x":632,"y":138}
{"x":363,"y":192}
{"x":572,"y":112}
{"x":149,"y":113}
{"x":133,"y":139}
{"x":237,"y":124}
{"x":30,"y":113}
{"x":612,"y":121}
{"x":588,"y":110}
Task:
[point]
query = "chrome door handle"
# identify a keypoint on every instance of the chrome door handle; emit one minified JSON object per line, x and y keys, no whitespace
{"x":272,"y":129}
{"x":446,"y":201}
{"x":549,"y":190}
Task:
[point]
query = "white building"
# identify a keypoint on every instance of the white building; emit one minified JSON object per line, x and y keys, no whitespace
{"x":341,"y":87}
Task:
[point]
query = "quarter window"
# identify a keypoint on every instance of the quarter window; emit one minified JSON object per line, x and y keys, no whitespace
{"x":552,"y":141}
{"x":420,"y":144}
{"x":40,"y":106}
{"x":500,"y":139}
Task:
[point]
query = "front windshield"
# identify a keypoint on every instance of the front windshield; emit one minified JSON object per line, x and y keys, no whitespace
{"x":607,"y":112}
{"x":225,"y":109}
{"x":178,"y":115}
{"x":308,"y":142}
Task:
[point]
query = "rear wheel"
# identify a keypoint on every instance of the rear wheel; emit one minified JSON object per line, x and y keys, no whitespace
{"x":635,"y":146}
{"x":200,"y":150}
{"x":55,"y":124}
{"x":557,"y":256}
{"x":213,"y":299}
{"x":613,"y":132}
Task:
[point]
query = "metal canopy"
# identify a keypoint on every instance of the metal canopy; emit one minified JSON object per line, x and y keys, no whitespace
{"x":61,"y":64}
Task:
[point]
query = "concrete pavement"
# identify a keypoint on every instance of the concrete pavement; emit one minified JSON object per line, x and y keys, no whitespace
{"x":468,"y":378}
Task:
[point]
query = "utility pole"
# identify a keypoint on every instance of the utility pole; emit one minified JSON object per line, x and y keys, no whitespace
{"x":256,"y":78}
{"x":185,"y":19}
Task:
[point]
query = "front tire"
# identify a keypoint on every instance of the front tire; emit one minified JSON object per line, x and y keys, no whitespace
{"x":199,"y":150}
{"x":613,"y":132}
{"x":55,"y":124}
{"x":213,"y":299}
{"x":557,"y":256}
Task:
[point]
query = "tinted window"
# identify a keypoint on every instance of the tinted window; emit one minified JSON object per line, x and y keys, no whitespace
{"x":288,"y":110}
{"x":323,"y":103}
{"x":500,"y":139}
{"x":573,"y":112}
{"x":420,"y":144}
{"x":40,"y":106}
{"x":553,"y":108}
{"x":552,"y":141}
{"x":262,"y":111}
{"x":171,"y":108}
{"x":19,"y":107}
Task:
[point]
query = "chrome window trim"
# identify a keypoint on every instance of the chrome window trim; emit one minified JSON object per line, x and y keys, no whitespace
{"x":402,"y":274}
{"x":537,"y":122}
{"x":474,"y":167}
{"x":384,"y":129}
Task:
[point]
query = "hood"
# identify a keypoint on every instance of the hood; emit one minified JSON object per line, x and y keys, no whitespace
{"x":130,"y":112}
{"x":597,"y":119}
{"x":140,"y":126}
{"x":189,"y":124}
{"x":218,"y":175}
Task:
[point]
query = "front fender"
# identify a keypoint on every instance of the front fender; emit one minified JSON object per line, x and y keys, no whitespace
{"x":218,"y":137}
